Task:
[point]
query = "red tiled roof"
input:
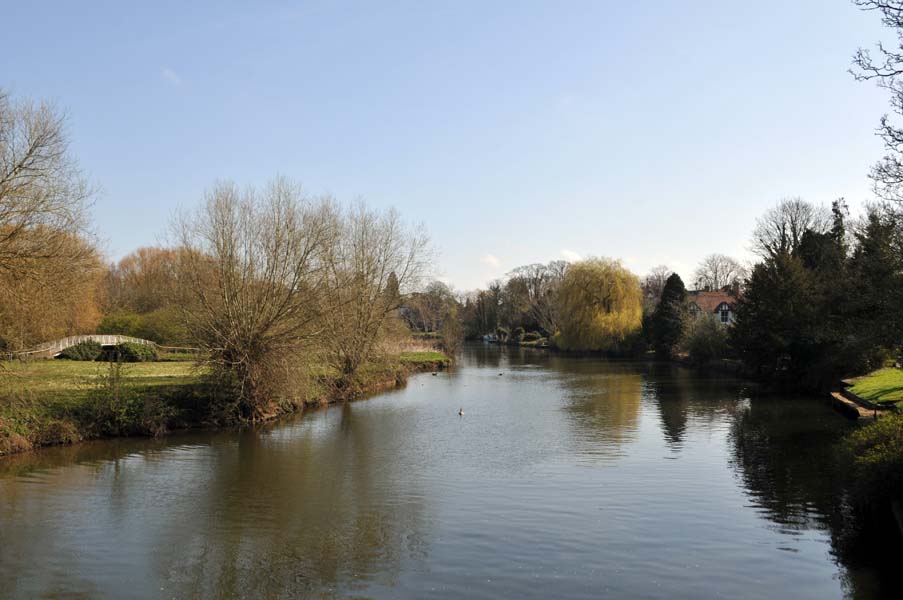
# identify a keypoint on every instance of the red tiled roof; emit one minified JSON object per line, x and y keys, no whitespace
{"x":710,"y":301}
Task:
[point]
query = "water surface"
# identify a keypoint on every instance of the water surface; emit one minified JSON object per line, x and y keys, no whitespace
{"x":566,"y":477}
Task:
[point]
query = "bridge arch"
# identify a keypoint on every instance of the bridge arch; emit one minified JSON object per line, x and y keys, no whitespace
{"x":54,"y":348}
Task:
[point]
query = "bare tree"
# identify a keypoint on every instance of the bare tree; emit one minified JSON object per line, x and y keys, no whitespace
{"x":426,"y":310}
{"x":538,"y":285}
{"x":887,"y":70}
{"x":654,"y":283}
{"x":139,"y":281}
{"x":781,"y":229}
{"x":43,"y":194}
{"x":250,"y":281}
{"x":717,"y":271}
{"x":373,"y":261}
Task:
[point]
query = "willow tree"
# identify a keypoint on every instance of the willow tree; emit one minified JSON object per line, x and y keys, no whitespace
{"x":250,"y":281}
{"x":600,"y":305}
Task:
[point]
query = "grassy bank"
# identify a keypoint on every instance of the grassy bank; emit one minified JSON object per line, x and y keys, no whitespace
{"x":884,"y":386}
{"x":50,"y":402}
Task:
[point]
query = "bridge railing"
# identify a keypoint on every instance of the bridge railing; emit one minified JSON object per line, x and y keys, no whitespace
{"x":56,"y":346}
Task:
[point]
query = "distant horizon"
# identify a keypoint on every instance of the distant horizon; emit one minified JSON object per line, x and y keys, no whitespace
{"x":516,"y":135}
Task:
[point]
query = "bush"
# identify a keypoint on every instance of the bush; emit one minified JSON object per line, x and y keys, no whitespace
{"x":121,"y":323}
{"x":130,"y":352}
{"x":875,"y":454}
{"x":55,"y":432}
{"x":161,"y":325}
{"x":706,"y":340}
{"x":517,"y":335}
{"x":115,"y":407}
{"x":87,"y":350}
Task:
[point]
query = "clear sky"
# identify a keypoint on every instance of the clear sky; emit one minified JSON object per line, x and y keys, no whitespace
{"x":655,"y":132}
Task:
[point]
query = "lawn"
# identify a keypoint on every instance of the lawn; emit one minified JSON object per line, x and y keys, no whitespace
{"x":36,"y":393}
{"x":69,"y":377}
{"x":883,"y":385}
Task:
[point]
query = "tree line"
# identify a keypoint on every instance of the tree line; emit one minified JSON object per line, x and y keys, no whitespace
{"x":266,"y":282}
{"x":821,"y":300}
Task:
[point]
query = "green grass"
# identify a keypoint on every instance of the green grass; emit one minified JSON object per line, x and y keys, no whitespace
{"x":423,"y":357}
{"x":69,"y":377}
{"x":883,"y":385}
{"x":37,"y":393}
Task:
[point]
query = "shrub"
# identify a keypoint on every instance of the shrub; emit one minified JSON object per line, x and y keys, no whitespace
{"x":121,"y":323}
{"x":532,"y":336}
{"x":11,"y":442}
{"x":875,"y":453}
{"x":517,"y":335}
{"x":706,"y":340}
{"x":55,"y":432}
{"x":87,"y":350}
{"x":131,"y":352}
{"x":163,"y":326}
{"x":113,"y":408}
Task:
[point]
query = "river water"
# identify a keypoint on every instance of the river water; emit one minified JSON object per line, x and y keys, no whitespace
{"x":565,"y":478}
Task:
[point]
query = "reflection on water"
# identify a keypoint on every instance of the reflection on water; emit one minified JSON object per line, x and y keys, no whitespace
{"x":264,"y":513}
{"x":567,"y":477}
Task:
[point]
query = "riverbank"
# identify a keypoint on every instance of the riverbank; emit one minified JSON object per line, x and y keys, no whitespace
{"x":883,"y":388}
{"x":55,"y":402}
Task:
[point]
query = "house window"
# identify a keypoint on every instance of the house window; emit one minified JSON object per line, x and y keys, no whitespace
{"x":725,"y":315}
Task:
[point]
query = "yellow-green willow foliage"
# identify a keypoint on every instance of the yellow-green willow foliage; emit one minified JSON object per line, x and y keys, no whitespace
{"x":600,"y":305}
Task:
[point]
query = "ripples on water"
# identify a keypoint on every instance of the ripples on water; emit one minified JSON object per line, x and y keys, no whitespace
{"x":566,"y":477}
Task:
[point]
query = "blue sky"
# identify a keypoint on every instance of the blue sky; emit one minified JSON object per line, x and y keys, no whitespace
{"x":517,"y":132}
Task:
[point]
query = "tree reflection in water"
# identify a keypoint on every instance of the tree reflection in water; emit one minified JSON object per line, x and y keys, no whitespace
{"x":264,"y":515}
{"x":567,"y":474}
{"x":783,"y":451}
{"x":603,"y":405}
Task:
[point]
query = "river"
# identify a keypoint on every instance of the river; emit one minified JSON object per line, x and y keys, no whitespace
{"x":565,"y":478}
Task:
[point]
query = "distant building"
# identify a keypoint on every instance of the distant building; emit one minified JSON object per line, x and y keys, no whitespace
{"x":719,"y":305}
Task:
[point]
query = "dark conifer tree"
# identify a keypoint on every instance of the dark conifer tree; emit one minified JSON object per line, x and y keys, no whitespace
{"x":669,"y":319}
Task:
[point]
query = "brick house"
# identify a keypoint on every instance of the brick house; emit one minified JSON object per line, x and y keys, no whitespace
{"x":720,"y":304}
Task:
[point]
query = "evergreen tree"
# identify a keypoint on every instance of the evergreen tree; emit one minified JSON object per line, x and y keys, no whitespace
{"x":668,"y":319}
{"x":876,"y":281}
{"x":391,"y":292}
{"x":773,"y":330}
